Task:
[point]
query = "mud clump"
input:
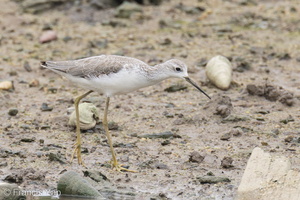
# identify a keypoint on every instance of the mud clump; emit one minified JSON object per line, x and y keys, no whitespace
{"x":221,"y":104}
{"x":271,"y":93}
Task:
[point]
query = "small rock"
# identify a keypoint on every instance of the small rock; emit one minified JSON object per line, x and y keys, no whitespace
{"x":126,"y":9}
{"x":164,"y":135}
{"x":166,"y":142}
{"x":52,"y":90}
{"x":44,"y":127}
{"x":48,"y":36}
{"x":168,"y":115}
{"x":71,"y":183}
{"x":170,"y":23}
{"x":289,"y":139}
{"x":14,"y":178}
{"x":166,"y":41}
{"x":45,"y":107}
{"x":95,"y":175}
{"x":235,"y":118}
{"x":27,"y":67}
{"x":211,"y":180}
{"x":287,"y":120}
{"x":226,"y":136}
{"x":113,"y":126}
{"x":236,"y":132}
{"x":13,"y":111}
{"x":57,"y":157}
{"x":190,"y":9}
{"x":33,"y":6}
{"x":6,"y":85}
{"x":34,"y":83}
{"x":196,"y":157}
{"x":28,"y":139}
{"x":161,"y":166}
{"x":242,"y":65}
{"x":99,"y":44}
{"x":13,"y":73}
{"x":255,"y":90}
{"x":175,"y":88}
{"x":3,"y":164}
{"x":227,"y":162}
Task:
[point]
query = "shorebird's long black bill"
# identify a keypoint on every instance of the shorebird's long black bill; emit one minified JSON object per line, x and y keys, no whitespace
{"x":196,"y":86}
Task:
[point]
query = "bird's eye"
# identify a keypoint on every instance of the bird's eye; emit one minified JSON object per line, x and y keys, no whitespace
{"x":178,"y":69}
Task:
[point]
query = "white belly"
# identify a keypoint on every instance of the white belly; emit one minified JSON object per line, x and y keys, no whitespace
{"x":121,"y":82}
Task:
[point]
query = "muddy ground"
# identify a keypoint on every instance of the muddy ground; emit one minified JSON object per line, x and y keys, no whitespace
{"x":262,"y":39}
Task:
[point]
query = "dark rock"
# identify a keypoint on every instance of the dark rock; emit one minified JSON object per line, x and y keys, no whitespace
{"x":286,"y":98}
{"x":45,"y":107}
{"x":52,"y":90}
{"x":211,"y":179}
{"x":164,"y":135}
{"x":33,"y":6}
{"x":242,"y":65}
{"x":14,"y":178}
{"x":255,"y":90}
{"x":166,"y":142}
{"x":95,"y":175}
{"x":168,"y":115}
{"x":289,"y":139}
{"x":13,"y":111}
{"x":196,"y":157}
{"x":271,"y":93}
{"x":175,"y":88}
{"x":235,"y":118}
{"x":27,"y":67}
{"x":44,"y":127}
{"x":287,"y":120}
{"x":71,"y":183}
{"x":227,"y":162}
{"x":113,"y":126}
{"x":57,"y":157}
{"x":166,"y":41}
{"x":13,"y":73}
{"x":284,"y":56}
{"x":226,"y":136}
{"x":28,"y":139}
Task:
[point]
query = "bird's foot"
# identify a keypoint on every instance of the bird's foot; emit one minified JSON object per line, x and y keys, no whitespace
{"x":119,"y":167}
{"x":77,"y":150}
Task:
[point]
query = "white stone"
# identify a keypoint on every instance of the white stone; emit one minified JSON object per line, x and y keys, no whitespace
{"x":268,"y":177}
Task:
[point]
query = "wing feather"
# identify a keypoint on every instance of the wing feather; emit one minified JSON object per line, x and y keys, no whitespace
{"x":92,"y":66}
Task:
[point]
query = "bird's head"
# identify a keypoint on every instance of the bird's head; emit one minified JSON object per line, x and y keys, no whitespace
{"x":178,"y":69}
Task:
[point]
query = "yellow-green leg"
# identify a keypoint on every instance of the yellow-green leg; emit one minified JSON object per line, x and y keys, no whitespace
{"x":115,"y":163}
{"x":77,"y":149}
